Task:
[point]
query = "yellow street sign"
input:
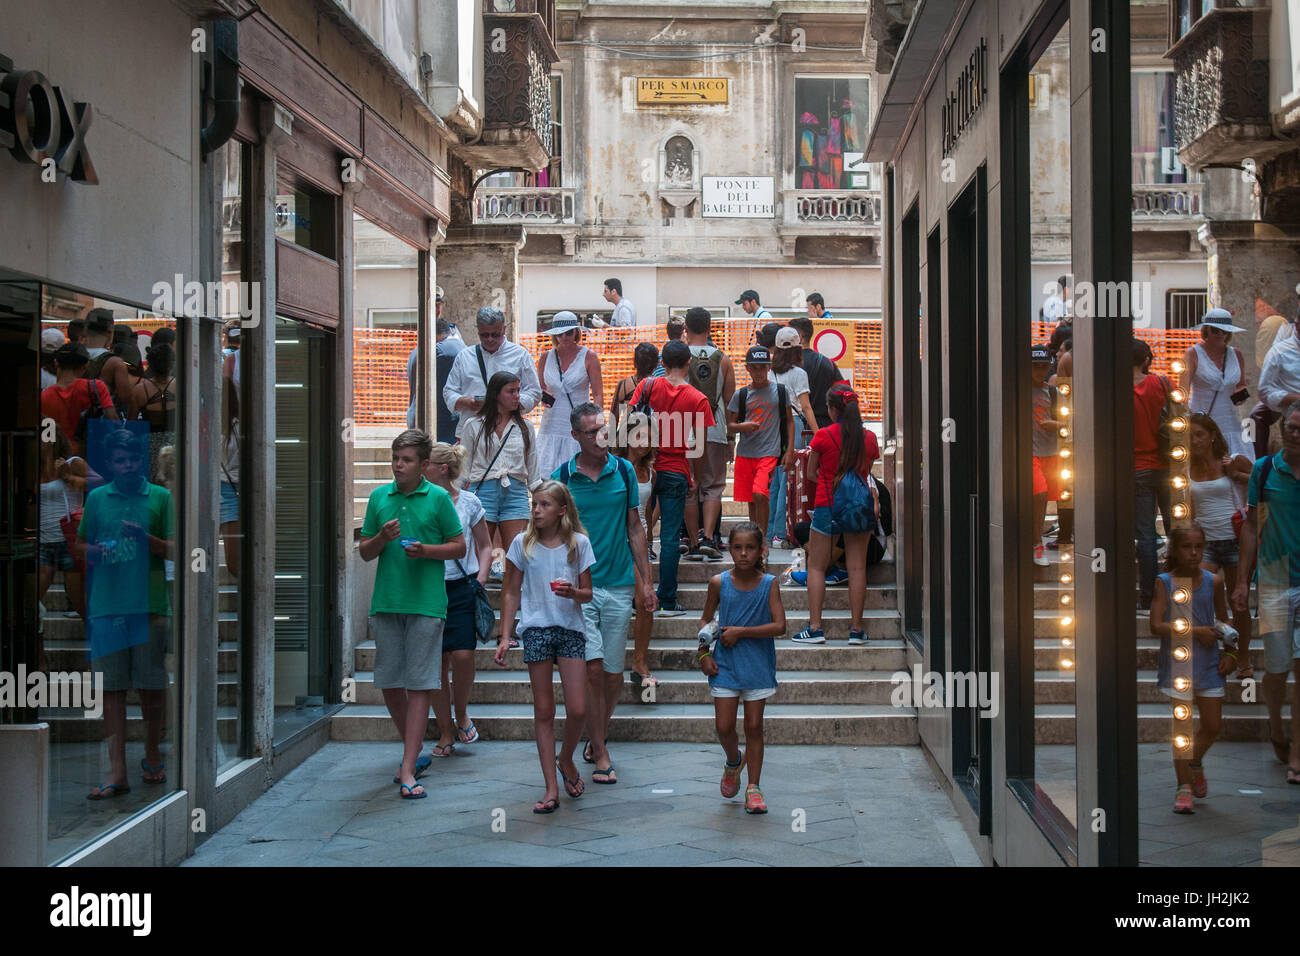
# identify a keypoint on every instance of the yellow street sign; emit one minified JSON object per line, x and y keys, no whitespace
{"x":680,"y":90}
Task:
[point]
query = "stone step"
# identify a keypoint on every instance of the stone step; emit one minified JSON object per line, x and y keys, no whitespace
{"x":666,"y":656}
{"x":71,"y":654}
{"x":853,"y":724}
{"x":1055,"y":724}
{"x":56,"y":599}
{"x":1057,"y":687}
{"x":692,"y":595}
{"x":498,"y":686}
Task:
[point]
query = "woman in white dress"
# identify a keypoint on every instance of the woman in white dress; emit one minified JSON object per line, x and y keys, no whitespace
{"x":1214,"y":373}
{"x":570,"y":375}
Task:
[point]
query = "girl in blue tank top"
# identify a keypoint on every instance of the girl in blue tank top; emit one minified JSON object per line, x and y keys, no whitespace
{"x":1184,"y":608}
{"x":742,"y":664}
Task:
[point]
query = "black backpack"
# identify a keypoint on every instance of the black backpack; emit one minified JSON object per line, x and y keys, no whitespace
{"x":783,"y":407}
{"x":886,"y":506}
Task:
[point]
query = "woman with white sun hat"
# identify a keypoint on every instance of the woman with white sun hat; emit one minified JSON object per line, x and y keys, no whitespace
{"x":570,"y":375}
{"x":1215,"y":378}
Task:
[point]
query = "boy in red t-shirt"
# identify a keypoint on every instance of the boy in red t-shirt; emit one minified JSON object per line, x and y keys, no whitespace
{"x":1150,"y":470}
{"x":681,"y":414}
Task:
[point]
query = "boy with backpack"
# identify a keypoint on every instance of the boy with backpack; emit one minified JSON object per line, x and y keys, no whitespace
{"x":711,"y":373}
{"x":762,"y":415}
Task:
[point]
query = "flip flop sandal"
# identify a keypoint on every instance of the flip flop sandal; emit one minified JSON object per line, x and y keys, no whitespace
{"x":408,"y":792}
{"x":588,"y":752}
{"x":571,"y":785}
{"x":107,"y":791}
{"x":547,"y":806}
{"x":152,"y":775}
{"x":607,"y":774}
{"x":421,"y":768}
{"x":446,"y":750}
{"x":468,"y":736}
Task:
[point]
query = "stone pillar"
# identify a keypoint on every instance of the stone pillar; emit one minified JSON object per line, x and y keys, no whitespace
{"x":478,"y":266}
{"x":1249,"y":265}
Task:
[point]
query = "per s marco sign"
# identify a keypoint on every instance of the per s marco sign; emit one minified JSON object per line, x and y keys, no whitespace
{"x":54,"y":131}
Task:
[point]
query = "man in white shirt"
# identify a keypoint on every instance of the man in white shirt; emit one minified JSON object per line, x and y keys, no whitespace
{"x":1279,"y":380}
{"x":475,"y":366}
{"x":749,"y":302}
{"x":1264,"y":414}
{"x":624,"y":312}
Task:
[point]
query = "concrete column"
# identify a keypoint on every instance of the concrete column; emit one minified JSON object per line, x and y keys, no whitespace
{"x":257,"y":474}
{"x":1249,"y":265}
{"x":344,"y":544}
{"x":478,"y":266}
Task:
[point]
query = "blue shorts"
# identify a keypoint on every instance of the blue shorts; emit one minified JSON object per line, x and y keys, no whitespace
{"x":56,"y":555}
{"x":822,"y":523}
{"x":229,"y":503}
{"x":502,"y":504}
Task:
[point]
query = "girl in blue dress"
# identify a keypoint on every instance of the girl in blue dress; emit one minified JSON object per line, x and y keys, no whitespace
{"x":1191,"y":666}
{"x":742,"y":664}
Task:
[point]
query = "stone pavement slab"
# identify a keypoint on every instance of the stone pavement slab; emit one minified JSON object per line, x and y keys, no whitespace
{"x":828,"y":806}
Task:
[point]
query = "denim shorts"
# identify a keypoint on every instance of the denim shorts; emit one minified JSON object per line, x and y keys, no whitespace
{"x":1225,"y":553}
{"x":756,"y":693}
{"x":229,"y":503}
{"x":546,"y":643}
{"x":822,"y":523}
{"x":502,"y":504}
{"x":56,"y":555}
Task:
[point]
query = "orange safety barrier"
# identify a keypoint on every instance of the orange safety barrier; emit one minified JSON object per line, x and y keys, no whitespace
{"x":381,"y":396}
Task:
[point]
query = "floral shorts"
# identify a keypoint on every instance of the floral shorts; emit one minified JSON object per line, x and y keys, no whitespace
{"x":545,"y":643}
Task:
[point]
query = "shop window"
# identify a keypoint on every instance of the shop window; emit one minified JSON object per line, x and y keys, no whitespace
{"x":1155,"y":157}
{"x":831,"y":122}
{"x":304,"y":215}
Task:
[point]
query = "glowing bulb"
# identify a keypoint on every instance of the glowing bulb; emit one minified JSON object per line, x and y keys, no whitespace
{"x":1180,"y":511}
{"x":1065,"y":599}
{"x":1065,"y":411}
{"x":1180,"y":595}
{"x":1066,"y":556}
{"x":1177,"y":395}
{"x":1067,"y":621}
{"x":1180,"y":482}
{"x":1182,"y":711}
{"x":1065,"y":433}
{"x":1181,"y":625}
{"x":1066,"y":579}
{"x":1066,"y":474}
{"x":1065,"y":453}
{"x":1177,"y":366}
{"x":1066,"y":642}
{"x":1178,"y":453}
{"x":1065,"y":494}
{"x":1180,"y":652}
{"x":1181,"y":683}
{"x":1066,"y":663}
{"x":1182,"y":742}
{"x":1178,"y":424}
{"x":1063,"y":389}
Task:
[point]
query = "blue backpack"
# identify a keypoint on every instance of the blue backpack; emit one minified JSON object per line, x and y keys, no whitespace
{"x":853,"y":508}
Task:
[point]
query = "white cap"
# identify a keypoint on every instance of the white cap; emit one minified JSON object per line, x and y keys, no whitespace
{"x":51,"y":339}
{"x":787,"y":337}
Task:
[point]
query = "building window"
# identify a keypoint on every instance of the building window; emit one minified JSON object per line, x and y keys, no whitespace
{"x":831,"y":122}
{"x":304,"y":215}
{"x":1183,"y":14}
{"x":1155,"y":157}
{"x":1185,"y":307}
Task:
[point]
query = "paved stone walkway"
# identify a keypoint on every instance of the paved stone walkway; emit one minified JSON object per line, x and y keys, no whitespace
{"x":872,"y":806}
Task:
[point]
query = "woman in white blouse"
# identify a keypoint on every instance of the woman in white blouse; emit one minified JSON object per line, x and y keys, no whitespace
{"x":501,"y":458}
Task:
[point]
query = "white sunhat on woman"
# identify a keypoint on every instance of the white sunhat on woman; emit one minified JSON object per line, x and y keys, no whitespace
{"x":1220,"y":319}
{"x":563,"y":322}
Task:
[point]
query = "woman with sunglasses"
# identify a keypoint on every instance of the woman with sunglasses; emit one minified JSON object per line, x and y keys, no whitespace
{"x":570,"y":376}
{"x":1214,"y":378}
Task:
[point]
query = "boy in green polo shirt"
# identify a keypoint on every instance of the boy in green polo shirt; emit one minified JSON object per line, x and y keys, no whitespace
{"x":411,"y":526}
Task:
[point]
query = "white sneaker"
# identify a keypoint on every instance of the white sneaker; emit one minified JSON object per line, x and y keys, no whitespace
{"x":1040,"y":556}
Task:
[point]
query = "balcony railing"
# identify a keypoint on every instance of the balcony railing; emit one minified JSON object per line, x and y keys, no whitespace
{"x":833,"y":206}
{"x":517,"y":55}
{"x":1167,"y":203}
{"x":1221,"y":109}
{"x":532,"y":206}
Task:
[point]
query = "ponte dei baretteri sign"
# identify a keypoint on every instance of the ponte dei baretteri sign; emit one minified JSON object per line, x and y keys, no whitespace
{"x":681,"y":90}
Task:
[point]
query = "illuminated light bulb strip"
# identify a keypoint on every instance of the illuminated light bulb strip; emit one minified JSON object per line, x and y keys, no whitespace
{"x":1180,"y":617}
{"x":1065,"y":502}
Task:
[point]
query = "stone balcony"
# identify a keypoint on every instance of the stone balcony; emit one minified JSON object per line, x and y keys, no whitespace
{"x":1221,"y":106}
{"x":1174,"y":206}
{"x":517,"y":56}
{"x":853,"y":213}
{"x":530,"y":206}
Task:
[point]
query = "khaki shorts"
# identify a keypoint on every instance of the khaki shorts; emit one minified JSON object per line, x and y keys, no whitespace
{"x":710,"y":473}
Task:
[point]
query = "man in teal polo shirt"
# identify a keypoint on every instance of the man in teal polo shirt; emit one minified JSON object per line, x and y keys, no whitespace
{"x":604,"y":491}
{"x":126,"y":531}
{"x":1272,"y":530}
{"x":411,"y":526}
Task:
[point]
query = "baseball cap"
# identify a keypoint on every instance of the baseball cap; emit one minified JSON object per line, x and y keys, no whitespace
{"x":51,"y":339}
{"x":437,"y":292}
{"x":788,"y":338}
{"x":758,"y":355}
{"x":1040,"y":355}
{"x":747,"y":294}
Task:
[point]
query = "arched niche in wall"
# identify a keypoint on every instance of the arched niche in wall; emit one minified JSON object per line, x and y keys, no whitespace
{"x":679,"y":176}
